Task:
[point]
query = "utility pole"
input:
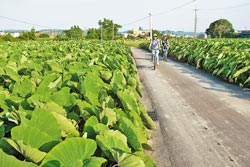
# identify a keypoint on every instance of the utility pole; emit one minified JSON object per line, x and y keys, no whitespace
{"x":195,"y":21}
{"x":150,"y":26}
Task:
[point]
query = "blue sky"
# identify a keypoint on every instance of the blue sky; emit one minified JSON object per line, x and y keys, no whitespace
{"x":86,"y":13}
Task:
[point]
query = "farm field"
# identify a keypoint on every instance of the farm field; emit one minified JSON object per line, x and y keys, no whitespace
{"x":228,"y":59}
{"x":81,"y":98}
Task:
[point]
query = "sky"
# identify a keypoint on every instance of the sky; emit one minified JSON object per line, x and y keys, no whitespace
{"x":131,"y":14}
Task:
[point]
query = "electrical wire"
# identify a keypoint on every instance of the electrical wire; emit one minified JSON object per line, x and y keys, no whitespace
{"x":24,"y":22}
{"x":175,"y":8}
{"x":229,"y":7}
{"x":160,"y":13}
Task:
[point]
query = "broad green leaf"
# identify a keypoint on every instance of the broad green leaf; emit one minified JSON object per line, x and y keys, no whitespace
{"x":113,"y":143}
{"x":118,"y":81}
{"x":108,"y":117}
{"x":66,"y":125}
{"x":147,"y":121}
{"x":71,"y":152}
{"x":32,"y":136}
{"x":23,"y":87}
{"x":93,"y":162}
{"x":54,"y":65}
{"x":148,"y":161}
{"x":55,"y":83}
{"x":12,"y":73}
{"x":2,"y":129}
{"x":239,"y":72}
{"x":46,"y":122}
{"x":88,"y":127}
{"x":30,"y":153}
{"x":130,"y":160}
{"x":91,"y":86}
{"x":54,"y":107}
{"x":63,"y":97}
{"x":128,"y":100}
{"x":127,"y":128}
{"x":10,"y":161}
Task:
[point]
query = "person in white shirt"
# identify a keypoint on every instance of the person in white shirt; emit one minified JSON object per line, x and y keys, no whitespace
{"x":155,"y":47}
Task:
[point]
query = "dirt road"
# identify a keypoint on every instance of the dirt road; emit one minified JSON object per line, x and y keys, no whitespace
{"x":204,"y":122}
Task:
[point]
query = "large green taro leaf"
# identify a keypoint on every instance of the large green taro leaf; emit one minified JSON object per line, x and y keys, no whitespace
{"x":11,"y":72}
{"x":10,"y":161}
{"x":73,"y":152}
{"x":108,"y":117}
{"x":46,"y":122}
{"x":23,"y":87}
{"x":128,"y":100}
{"x":91,"y":86}
{"x":130,"y":160}
{"x":118,"y":81}
{"x":113,"y":144}
{"x":32,"y":136}
{"x":127,"y":128}
{"x":2,"y":129}
{"x":54,"y":65}
{"x":54,"y":107}
{"x":66,"y":125}
{"x":63,"y":97}
{"x":92,"y":127}
{"x":148,"y":161}
{"x":93,"y":162}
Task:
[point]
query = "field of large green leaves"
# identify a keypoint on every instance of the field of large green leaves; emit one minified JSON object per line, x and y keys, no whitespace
{"x":73,"y":103}
{"x":228,"y":59}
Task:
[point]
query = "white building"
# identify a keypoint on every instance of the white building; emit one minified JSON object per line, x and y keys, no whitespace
{"x":15,"y":34}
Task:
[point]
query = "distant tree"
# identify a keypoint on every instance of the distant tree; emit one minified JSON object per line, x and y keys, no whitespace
{"x":108,"y":29}
{"x":44,"y":35}
{"x":220,"y":29}
{"x":61,"y":37}
{"x":30,"y":35}
{"x":93,"y":33}
{"x":74,"y":32}
{"x":7,"y":37}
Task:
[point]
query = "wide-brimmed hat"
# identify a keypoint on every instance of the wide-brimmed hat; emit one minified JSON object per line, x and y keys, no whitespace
{"x":155,"y":35}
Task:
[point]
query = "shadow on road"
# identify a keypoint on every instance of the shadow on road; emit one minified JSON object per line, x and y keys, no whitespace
{"x":214,"y":83}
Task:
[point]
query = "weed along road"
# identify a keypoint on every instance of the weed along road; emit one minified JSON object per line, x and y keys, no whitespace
{"x":205,"y":122}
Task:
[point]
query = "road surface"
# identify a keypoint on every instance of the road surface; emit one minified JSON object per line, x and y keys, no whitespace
{"x":202,"y":120}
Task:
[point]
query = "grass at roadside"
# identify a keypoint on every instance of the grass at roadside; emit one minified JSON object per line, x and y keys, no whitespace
{"x":134,"y":43}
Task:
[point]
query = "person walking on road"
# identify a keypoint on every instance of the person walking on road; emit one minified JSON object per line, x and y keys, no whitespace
{"x":155,"y":47}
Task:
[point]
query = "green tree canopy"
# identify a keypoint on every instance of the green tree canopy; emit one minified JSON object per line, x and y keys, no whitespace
{"x":109,"y":29}
{"x":44,"y":35}
{"x":220,"y":29}
{"x":31,"y":35}
{"x":93,"y":33}
{"x":74,"y":32}
{"x":7,"y":37}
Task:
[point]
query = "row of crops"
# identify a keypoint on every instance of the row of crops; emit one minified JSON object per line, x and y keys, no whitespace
{"x":73,"y":103}
{"x":228,"y":59}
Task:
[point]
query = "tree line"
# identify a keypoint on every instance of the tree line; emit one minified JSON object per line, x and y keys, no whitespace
{"x":108,"y":30}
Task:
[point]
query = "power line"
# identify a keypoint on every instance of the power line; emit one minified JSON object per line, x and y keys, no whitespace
{"x":178,"y":7}
{"x":23,"y":22}
{"x":138,"y":20}
{"x":160,"y":13}
{"x":229,"y":7}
